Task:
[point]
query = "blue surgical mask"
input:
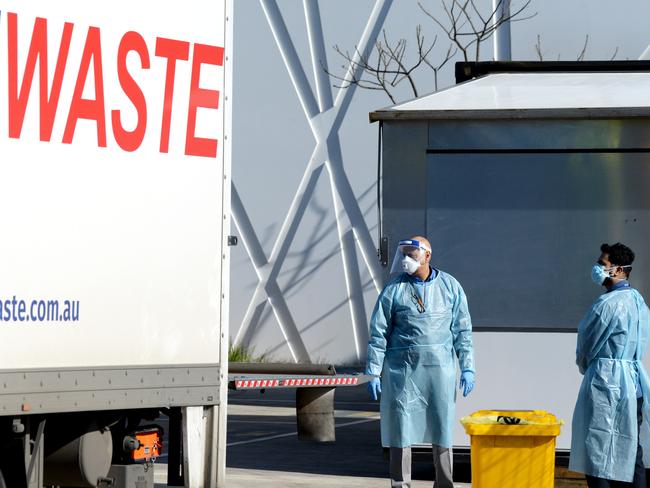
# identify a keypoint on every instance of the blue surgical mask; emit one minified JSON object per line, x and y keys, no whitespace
{"x":598,"y":274}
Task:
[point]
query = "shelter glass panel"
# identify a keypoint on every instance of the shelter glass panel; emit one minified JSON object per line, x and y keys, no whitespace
{"x":521,"y":231}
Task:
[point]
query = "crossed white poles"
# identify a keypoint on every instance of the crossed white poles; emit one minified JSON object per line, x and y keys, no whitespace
{"x":324,"y":116}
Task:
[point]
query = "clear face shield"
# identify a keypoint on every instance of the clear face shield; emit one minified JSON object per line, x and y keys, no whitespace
{"x":409,"y":256}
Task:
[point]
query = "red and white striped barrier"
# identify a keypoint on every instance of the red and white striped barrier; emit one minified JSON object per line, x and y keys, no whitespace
{"x":254,"y":383}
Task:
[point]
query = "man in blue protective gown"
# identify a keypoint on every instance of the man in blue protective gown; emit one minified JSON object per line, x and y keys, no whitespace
{"x":610,"y":421}
{"x":419,"y":324}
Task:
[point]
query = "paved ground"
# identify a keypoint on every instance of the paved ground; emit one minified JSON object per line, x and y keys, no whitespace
{"x":263,"y":449}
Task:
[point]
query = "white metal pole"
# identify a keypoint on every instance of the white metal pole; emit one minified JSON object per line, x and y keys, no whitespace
{"x":645,"y":55}
{"x":502,"y":43}
{"x":318,"y":54}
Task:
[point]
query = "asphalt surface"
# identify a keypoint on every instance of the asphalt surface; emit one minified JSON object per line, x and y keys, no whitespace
{"x":263,"y":447}
{"x":262,"y":438}
{"x":356,"y":451}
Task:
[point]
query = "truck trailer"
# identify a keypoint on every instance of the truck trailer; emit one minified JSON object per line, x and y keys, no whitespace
{"x":115,"y":162}
{"x":517,"y":178}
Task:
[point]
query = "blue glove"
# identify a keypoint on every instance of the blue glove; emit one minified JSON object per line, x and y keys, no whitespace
{"x":374,"y":388}
{"x":467,"y":382}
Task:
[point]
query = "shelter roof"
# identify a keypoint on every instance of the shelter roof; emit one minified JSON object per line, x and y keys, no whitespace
{"x":532,"y":95}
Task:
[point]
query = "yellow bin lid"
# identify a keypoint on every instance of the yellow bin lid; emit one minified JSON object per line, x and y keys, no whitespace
{"x":512,"y":423}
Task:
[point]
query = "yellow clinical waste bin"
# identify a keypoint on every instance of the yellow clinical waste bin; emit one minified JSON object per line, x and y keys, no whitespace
{"x":512,"y":448}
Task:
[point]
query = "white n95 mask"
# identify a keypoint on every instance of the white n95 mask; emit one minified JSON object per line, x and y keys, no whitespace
{"x":410,"y":265}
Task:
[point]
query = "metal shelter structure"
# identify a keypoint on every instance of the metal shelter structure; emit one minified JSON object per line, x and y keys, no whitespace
{"x":517,"y":178}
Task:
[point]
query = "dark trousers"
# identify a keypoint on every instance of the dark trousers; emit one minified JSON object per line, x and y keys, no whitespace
{"x":639,"y":470}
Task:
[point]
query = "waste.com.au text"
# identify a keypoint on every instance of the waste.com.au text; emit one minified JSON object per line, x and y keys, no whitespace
{"x":16,"y":310}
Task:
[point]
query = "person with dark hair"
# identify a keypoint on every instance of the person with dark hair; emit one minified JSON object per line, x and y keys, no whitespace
{"x":618,"y":253}
{"x":611,"y":436}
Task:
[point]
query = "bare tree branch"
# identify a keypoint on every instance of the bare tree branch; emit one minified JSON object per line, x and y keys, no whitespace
{"x":390,"y":63}
{"x":581,"y":56}
{"x":389,"y":67}
{"x":465,"y":26}
{"x":538,"y":48}
{"x":470,"y":23}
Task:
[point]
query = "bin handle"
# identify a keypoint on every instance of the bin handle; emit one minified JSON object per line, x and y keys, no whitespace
{"x":508,"y":420}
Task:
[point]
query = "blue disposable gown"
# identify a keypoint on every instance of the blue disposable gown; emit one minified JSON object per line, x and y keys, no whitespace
{"x":414,"y":354}
{"x":612,"y":340}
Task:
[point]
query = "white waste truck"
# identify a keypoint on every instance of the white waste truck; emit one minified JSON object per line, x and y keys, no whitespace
{"x":114,"y":163}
